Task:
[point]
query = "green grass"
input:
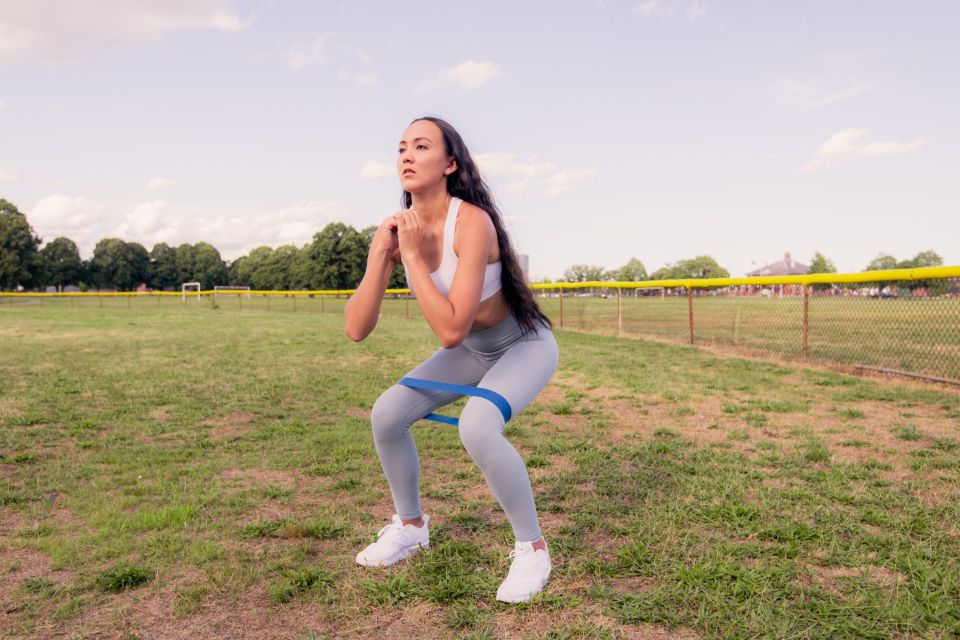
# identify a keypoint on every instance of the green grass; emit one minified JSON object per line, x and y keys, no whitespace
{"x":197,"y":460}
{"x":920,"y":335}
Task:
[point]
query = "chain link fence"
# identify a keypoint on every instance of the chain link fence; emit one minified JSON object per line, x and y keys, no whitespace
{"x":900,"y":321}
{"x":907,"y":327}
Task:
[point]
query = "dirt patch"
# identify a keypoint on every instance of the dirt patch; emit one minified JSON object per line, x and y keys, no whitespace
{"x":251,"y":478}
{"x":234,"y":419}
{"x":537,"y":623}
{"x":706,"y":422}
{"x":426,"y":619}
{"x":160,"y":414}
{"x":829,"y":578}
{"x":358,"y":412}
{"x":149,"y":613}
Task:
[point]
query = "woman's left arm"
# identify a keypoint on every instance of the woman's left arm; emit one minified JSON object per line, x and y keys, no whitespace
{"x":450,"y":316}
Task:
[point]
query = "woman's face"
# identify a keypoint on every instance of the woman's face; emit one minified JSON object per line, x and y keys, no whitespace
{"x":422,"y":159}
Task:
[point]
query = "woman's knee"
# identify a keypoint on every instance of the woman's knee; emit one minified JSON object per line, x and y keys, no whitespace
{"x":386,"y":417}
{"x":481,"y":426}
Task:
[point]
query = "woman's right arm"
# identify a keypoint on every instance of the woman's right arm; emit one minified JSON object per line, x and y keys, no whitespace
{"x":363,"y":307}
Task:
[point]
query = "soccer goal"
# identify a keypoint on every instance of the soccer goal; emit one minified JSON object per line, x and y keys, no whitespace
{"x":244,"y":291}
{"x":189,"y":286}
{"x":649,"y":292}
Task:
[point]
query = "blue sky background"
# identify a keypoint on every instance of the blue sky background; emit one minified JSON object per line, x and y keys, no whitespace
{"x":656,"y":129}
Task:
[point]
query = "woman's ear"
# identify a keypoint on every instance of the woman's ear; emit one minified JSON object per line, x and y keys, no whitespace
{"x":451,"y":168}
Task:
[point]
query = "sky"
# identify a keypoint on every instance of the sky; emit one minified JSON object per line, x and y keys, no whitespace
{"x":607,"y":130}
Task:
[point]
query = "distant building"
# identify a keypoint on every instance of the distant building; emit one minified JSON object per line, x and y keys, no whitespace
{"x":524,"y":265}
{"x":786,"y":267}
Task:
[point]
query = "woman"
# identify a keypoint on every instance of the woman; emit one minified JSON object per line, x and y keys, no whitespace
{"x":467,"y":279}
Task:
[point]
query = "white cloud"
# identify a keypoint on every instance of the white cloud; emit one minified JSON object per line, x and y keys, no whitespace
{"x":149,"y":223}
{"x":847,"y":145}
{"x":562,"y":181}
{"x":159,"y":184}
{"x":9,"y":175}
{"x":234,"y":233}
{"x":359,"y":79}
{"x":690,"y":9}
{"x":830,"y":78}
{"x":697,"y":9}
{"x":302,"y":55}
{"x":374,"y":170}
{"x":467,"y":75}
{"x":506,"y":164}
{"x":77,"y":218}
{"x":55,"y":30}
{"x":326,"y":48}
{"x":816,"y":94}
{"x":545,"y":177}
{"x":532,"y":173}
{"x":648,"y":8}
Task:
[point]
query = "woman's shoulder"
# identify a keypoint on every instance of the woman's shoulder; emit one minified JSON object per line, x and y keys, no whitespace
{"x":474,"y":217}
{"x":475,"y":225}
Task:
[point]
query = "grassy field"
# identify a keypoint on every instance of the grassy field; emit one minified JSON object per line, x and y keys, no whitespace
{"x":914,"y":335}
{"x":187,"y":472}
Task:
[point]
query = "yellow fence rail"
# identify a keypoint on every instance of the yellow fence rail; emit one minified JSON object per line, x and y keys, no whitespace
{"x":888,"y":275}
{"x":847,"y":319}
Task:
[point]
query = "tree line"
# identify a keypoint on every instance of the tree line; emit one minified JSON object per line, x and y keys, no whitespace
{"x":334,"y":259}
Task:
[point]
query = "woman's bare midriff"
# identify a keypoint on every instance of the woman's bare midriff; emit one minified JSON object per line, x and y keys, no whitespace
{"x":491,"y":312}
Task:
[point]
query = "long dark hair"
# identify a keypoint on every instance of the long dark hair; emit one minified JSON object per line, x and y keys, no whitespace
{"x":465,"y":183}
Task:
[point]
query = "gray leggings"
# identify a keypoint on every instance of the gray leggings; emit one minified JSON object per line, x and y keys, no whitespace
{"x":500,"y":358}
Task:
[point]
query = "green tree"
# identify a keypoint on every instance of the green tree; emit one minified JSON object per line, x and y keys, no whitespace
{"x":587,"y":273}
{"x":243,"y":268}
{"x":20,"y":260}
{"x":275,"y":271}
{"x":184,"y":256}
{"x":922,"y":259}
{"x":926,"y":259}
{"x":120,"y":265}
{"x":208,"y":267}
{"x":882,"y":262}
{"x":821,"y":264}
{"x":61,"y":263}
{"x":163,"y":260}
{"x":633,"y":271}
{"x":336,"y":258}
{"x":699,"y":267}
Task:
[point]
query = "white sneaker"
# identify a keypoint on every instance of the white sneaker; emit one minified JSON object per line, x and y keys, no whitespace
{"x":395,"y":542}
{"x":528,"y":573}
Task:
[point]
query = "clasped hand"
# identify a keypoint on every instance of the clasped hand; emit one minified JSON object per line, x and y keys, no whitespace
{"x":403,"y":230}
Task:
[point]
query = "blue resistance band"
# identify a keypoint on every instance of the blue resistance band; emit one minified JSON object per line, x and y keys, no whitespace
{"x":461,"y":389}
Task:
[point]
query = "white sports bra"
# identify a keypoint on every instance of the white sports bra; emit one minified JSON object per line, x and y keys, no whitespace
{"x":443,"y":276}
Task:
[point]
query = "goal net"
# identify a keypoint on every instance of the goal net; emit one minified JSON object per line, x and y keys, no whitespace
{"x":244,"y":291}
{"x":189,"y":286}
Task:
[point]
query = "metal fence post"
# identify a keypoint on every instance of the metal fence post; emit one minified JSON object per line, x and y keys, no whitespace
{"x":619,"y":310}
{"x":806,"y":321}
{"x":406,"y":306}
{"x":561,"y":307}
{"x":690,"y":310}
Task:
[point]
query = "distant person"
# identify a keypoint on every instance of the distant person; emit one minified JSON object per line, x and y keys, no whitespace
{"x":461,"y":266}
